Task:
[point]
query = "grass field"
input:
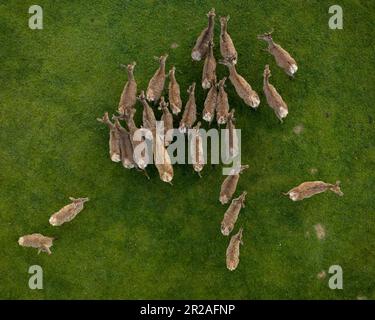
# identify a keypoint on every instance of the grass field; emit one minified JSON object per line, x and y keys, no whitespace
{"x":144,"y":239}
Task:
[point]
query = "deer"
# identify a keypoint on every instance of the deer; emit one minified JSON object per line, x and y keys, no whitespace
{"x":156,"y":84}
{"x":148,"y":116}
{"x":126,"y":146}
{"x":310,"y":188}
{"x":274,"y":100}
{"x":162,"y":160}
{"x":229,"y":185}
{"x":128,"y":97}
{"x":231,"y":215}
{"x":283,"y":59}
{"x":242,"y":87}
{"x":200,"y":49}
{"x":114,"y":139}
{"x":143,"y":159}
{"x":167,"y":119}
{"x":228,"y":51}
{"x":233,"y":251}
{"x":222,"y":108}
{"x":68,"y":212}
{"x":174,"y":96}
{"x":231,"y":136}
{"x":38,"y":241}
{"x":210,"y":104}
{"x":190,"y":113}
{"x":196,"y":149}
{"x":209,"y":68}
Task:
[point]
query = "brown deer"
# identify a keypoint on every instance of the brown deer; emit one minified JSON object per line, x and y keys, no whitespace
{"x":37,"y":240}
{"x":201,"y":46}
{"x":196,"y":149}
{"x":311,"y":188}
{"x":229,"y":185}
{"x":233,"y":251}
{"x":114,"y":139}
{"x":135,"y":137}
{"x":126,"y":145}
{"x":222,"y":107}
{"x":243,"y":88}
{"x":156,"y":84}
{"x":162,"y":160}
{"x":228,"y":51}
{"x":231,"y":136}
{"x":68,"y":212}
{"x":167,"y":119}
{"x":129,"y":93}
{"x":209,"y":68}
{"x":174,"y":96}
{"x":210,"y":104}
{"x":231,"y":215}
{"x":274,"y":100}
{"x":148,"y":116}
{"x":282,"y":57}
{"x":190,"y":113}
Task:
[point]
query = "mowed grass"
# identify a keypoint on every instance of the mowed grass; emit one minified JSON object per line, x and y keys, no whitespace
{"x":144,"y":239}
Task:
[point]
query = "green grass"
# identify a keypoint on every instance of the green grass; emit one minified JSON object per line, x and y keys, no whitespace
{"x":145,"y":239}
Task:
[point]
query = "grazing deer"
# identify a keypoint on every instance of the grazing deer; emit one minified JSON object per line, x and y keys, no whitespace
{"x":126,"y":146}
{"x":114,"y":139}
{"x":231,"y":215}
{"x":233,"y":250}
{"x":201,"y":46}
{"x":210,"y":104}
{"x":143,"y":160}
{"x":156,"y":84}
{"x":196,"y":149}
{"x":167,"y":119}
{"x":231,"y":136}
{"x":68,"y":212}
{"x":190,"y":113}
{"x":209,"y":68}
{"x":228,"y":51}
{"x":274,"y":100}
{"x":282,"y":57}
{"x":162,"y":160}
{"x":229,"y":185}
{"x":222,"y":108}
{"x":174,"y":93}
{"x":37,"y":240}
{"x":128,"y":97}
{"x":243,"y":88}
{"x":311,"y":188}
{"x":148,"y":116}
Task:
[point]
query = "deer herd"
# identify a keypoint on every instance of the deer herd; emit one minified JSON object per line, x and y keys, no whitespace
{"x":123,"y":141}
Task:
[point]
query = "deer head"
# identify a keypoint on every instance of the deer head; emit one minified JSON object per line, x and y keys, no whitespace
{"x":336,"y":189}
{"x":172,"y":71}
{"x":222,"y":83}
{"x":267,"y":72}
{"x":230,"y":116}
{"x":211,"y":13}
{"x":266,"y":36}
{"x":191,"y":89}
{"x":83,"y":200}
{"x":163,"y":104}
{"x":242,"y":198}
{"x":105,"y":119}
